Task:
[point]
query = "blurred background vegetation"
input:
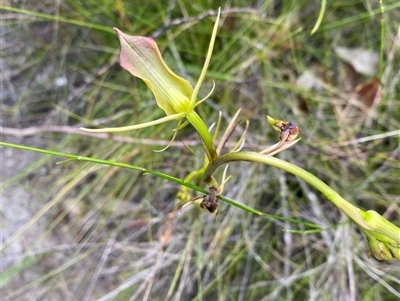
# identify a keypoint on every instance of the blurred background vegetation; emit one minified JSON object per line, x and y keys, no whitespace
{"x":81,"y":231}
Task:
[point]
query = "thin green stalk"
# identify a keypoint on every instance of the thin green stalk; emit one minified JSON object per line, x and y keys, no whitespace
{"x":105,"y":162}
{"x":347,"y":208}
{"x":383,"y":236}
{"x":158,"y":174}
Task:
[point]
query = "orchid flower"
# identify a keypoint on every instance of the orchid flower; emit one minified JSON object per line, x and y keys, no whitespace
{"x":175,"y":95}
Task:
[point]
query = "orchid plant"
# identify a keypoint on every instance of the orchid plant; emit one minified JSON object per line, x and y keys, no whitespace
{"x":178,"y":99}
{"x":174,"y":95}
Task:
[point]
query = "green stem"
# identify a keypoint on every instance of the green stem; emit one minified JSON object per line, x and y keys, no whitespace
{"x":72,"y":157}
{"x":370,"y":222}
{"x":350,"y":210}
{"x":155,"y":173}
{"x":204,"y":134}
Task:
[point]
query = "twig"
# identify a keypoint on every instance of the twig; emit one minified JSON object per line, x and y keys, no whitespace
{"x":369,"y":138}
{"x":210,"y":13}
{"x":31,"y":131}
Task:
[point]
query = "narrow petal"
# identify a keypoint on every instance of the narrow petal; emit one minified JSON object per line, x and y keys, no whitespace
{"x":136,"y":126}
{"x":208,"y":58}
{"x":172,"y":140}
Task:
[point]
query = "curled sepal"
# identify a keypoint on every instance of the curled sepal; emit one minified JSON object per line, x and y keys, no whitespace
{"x":142,"y":58}
{"x":172,"y":139}
{"x":287,"y":135}
{"x":208,"y":95}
